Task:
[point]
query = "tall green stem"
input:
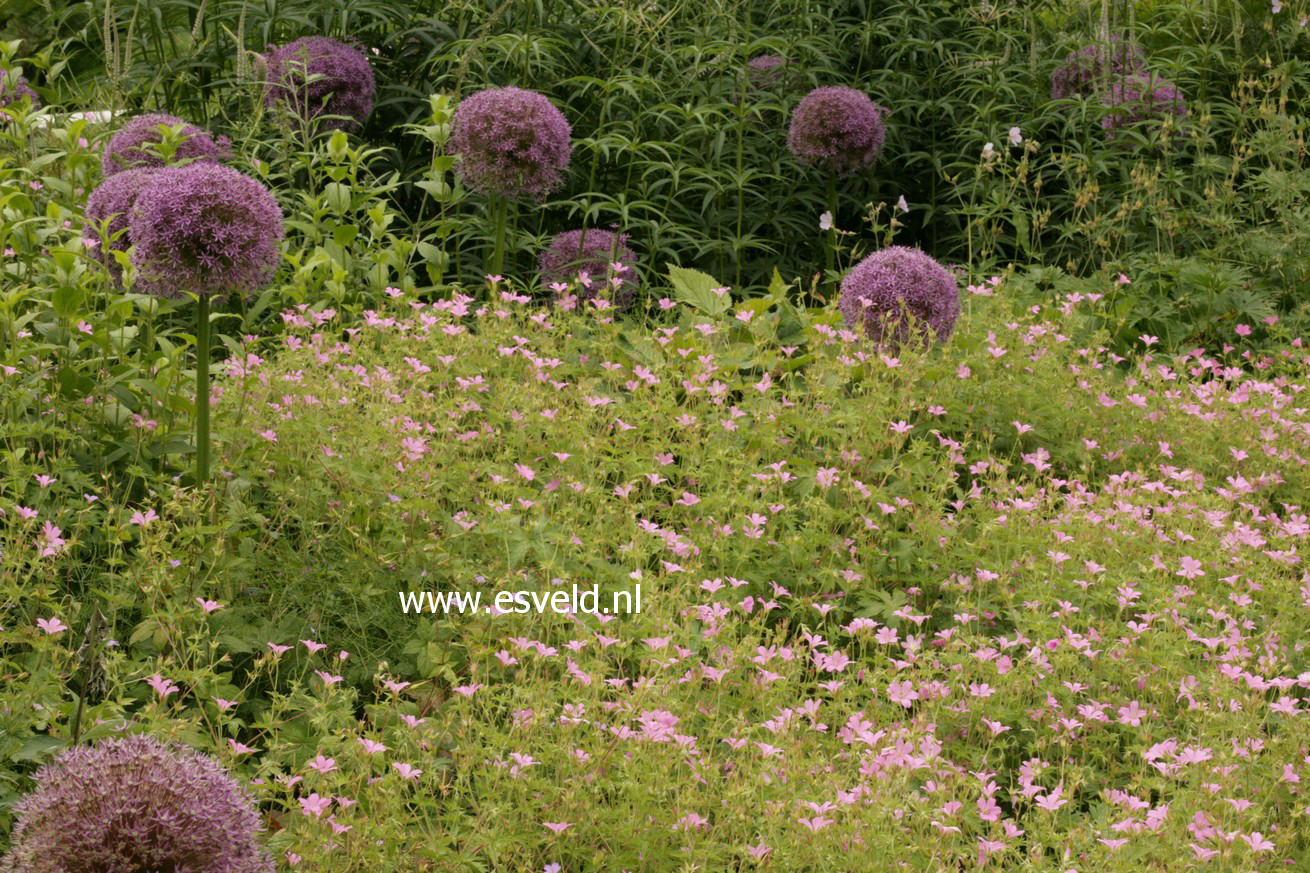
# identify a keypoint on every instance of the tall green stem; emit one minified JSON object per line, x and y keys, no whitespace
{"x":830,"y":259}
{"x":202,"y":390}
{"x":499,"y":206}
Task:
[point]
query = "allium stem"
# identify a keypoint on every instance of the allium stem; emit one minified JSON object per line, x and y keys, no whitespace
{"x":499,"y":206}
{"x":830,"y":259}
{"x":202,"y":390}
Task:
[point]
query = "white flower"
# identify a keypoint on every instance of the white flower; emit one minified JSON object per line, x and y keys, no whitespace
{"x":989,"y":150}
{"x":825,"y":221}
{"x":99,"y":116}
{"x":902,"y":205}
{"x":1278,"y":6}
{"x":1016,"y":138}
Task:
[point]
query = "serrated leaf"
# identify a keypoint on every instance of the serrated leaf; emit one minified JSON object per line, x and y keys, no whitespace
{"x":695,"y":289}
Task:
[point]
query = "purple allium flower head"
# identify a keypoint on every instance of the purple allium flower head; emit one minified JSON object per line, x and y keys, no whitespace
{"x":113,"y":199}
{"x":340,"y":80}
{"x":1140,"y":97}
{"x":15,"y":88}
{"x":590,"y":251}
{"x":890,"y":287}
{"x":204,"y":228}
{"x":125,"y":147}
{"x":765,"y":71}
{"x":1084,"y":70}
{"x":837,"y":128}
{"x":135,"y":804}
{"x":511,"y":142}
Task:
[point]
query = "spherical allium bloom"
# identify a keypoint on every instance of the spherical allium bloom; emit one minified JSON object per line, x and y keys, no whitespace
{"x":897,"y":287}
{"x":204,"y":228}
{"x":766,"y":71}
{"x":125,"y":148}
{"x":590,"y":252}
{"x":1084,"y":70}
{"x":113,"y":199}
{"x":320,"y":76}
{"x":837,"y":128}
{"x":135,"y":803}
{"x":15,"y":88}
{"x":511,"y":142}
{"x":1140,"y":97}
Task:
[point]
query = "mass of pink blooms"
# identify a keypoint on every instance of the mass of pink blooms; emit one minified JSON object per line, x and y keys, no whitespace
{"x":1109,"y":663}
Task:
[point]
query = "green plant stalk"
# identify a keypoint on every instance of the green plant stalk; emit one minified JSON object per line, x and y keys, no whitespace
{"x":830,"y":255}
{"x":148,"y":337}
{"x":202,"y":390}
{"x":497,"y":262}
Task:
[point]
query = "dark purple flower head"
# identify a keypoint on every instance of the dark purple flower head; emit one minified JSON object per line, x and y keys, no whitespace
{"x":511,"y":142}
{"x":892,"y":288}
{"x":1140,"y":97}
{"x":837,"y":128}
{"x":318,"y":75}
{"x":135,"y":804}
{"x":15,"y":88}
{"x":1084,"y":70}
{"x":204,"y":228}
{"x":125,"y":147}
{"x":591,"y":252}
{"x":113,"y":199}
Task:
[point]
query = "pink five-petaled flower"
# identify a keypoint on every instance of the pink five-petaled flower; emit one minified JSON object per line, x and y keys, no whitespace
{"x":817,"y":823}
{"x":1131,"y":714}
{"x":144,"y":520}
{"x":371,"y":746}
{"x":54,"y":539}
{"x":557,"y":827}
{"x":902,"y":693}
{"x":51,"y":625}
{"x":1258,"y":842}
{"x":239,"y":748}
{"x":328,"y":679}
{"x":163,"y":687}
{"x":322,"y":764}
{"x":209,"y":605}
{"x":1052,"y":801}
{"x":469,"y":690}
{"x":407,"y":771}
{"x":315,"y":805}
